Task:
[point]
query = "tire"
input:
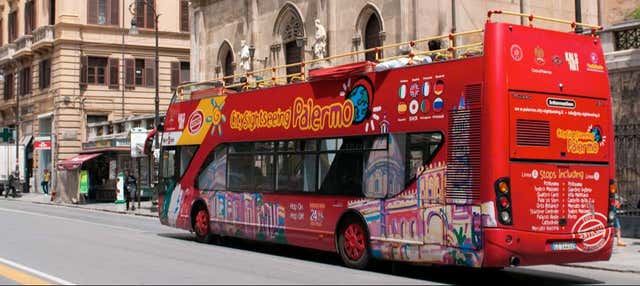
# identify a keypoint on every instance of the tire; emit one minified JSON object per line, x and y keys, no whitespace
{"x":353,"y":244}
{"x":201,"y":226}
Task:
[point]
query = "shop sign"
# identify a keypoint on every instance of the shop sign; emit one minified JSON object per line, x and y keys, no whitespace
{"x":138,"y":138}
{"x":84,"y":182}
{"x":42,"y":145}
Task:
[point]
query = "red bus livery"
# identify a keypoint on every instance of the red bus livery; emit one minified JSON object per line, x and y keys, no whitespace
{"x":486,"y":156}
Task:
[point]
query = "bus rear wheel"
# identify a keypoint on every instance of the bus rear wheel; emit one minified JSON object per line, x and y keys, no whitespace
{"x":353,"y":244}
{"x":201,"y":226}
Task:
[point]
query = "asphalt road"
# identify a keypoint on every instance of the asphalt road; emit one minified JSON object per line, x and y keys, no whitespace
{"x":67,"y":245}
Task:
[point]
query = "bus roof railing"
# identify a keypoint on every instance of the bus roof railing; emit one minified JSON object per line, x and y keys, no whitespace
{"x":273,"y":78}
{"x":531,"y":17}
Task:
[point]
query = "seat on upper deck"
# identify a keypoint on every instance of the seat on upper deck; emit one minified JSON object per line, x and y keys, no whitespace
{"x":341,"y":71}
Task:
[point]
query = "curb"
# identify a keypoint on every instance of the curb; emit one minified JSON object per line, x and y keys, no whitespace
{"x":600,"y":268}
{"x":95,"y":209}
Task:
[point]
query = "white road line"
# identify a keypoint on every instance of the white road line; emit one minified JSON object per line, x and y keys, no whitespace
{"x":36,"y":272}
{"x":72,"y":220}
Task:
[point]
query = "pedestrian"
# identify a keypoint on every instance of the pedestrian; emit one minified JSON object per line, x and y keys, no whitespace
{"x":11,"y":181}
{"x":46,"y":177}
{"x":616,"y":221}
{"x":130,"y":189}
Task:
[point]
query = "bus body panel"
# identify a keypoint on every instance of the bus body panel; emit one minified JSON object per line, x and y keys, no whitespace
{"x":548,"y":137}
{"x":553,"y":62}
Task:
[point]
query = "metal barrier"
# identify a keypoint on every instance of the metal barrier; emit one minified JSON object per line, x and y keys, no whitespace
{"x":627,"y":142}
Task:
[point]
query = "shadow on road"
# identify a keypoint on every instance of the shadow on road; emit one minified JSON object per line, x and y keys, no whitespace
{"x":440,"y":274}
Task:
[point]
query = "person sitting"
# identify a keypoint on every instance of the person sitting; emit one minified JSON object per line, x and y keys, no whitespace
{"x":435,"y":45}
{"x":405,"y":50}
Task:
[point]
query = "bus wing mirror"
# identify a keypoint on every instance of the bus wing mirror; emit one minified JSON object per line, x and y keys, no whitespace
{"x":148,"y":143}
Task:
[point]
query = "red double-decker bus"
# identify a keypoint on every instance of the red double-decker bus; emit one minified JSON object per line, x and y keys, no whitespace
{"x":484,"y":155}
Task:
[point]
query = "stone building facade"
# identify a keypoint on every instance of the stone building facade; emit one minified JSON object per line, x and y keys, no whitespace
{"x":621,"y":45}
{"x":71,"y":63}
{"x":273,"y":27}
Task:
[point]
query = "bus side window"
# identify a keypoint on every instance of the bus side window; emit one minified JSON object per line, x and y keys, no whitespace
{"x":421,"y":148}
{"x":213,"y":174}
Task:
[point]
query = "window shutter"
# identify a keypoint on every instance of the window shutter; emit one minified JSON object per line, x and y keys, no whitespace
{"x":92,"y":11}
{"x":130,"y":73}
{"x":20,"y":83}
{"x":114,"y":73}
{"x":175,"y":74}
{"x":41,"y":75}
{"x":29,"y":77}
{"x":84,"y":65}
{"x":184,"y":16}
{"x":150,"y":72}
{"x":150,"y":17}
{"x":27,"y":17}
{"x":115,"y":12}
{"x":140,"y":12}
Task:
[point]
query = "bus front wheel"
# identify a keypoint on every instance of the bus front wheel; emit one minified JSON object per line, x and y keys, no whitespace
{"x":353,"y":244}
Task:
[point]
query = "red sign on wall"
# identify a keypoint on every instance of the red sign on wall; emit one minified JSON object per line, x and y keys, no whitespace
{"x":42,"y":145}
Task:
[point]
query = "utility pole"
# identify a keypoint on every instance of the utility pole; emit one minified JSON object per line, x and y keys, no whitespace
{"x":578,"y":16}
{"x":123,"y":61}
{"x":18,"y":133}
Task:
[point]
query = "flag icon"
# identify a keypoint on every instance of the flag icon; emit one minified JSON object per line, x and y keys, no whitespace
{"x":438,"y":104}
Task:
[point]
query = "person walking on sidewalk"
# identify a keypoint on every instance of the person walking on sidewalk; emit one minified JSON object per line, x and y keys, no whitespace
{"x":616,"y":221}
{"x":46,"y":176}
{"x":130,"y":185}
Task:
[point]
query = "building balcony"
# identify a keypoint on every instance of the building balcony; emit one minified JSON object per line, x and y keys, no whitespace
{"x":23,"y":46}
{"x":43,"y":38}
{"x":6,"y":53}
{"x":621,"y":45}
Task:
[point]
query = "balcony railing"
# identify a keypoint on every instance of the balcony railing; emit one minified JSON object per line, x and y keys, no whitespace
{"x":43,"y":37}
{"x":23,"y":46}
{"x":627,"y":37}
{"x":6,"y":52}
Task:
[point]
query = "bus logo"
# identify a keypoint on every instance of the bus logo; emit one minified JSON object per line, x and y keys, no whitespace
{"x":562,"y":103}
{"x":592,"y":231}
{"x":539,"y":55}
{"x":572,"y":59}
{"x":516,"y":52}
{"x":196,"y":120}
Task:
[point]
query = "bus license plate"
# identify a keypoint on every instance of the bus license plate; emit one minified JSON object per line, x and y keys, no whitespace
{"x":565,"y":245}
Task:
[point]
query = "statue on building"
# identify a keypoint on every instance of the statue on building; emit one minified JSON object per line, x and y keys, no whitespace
{"x":245,"y":57}
{"x":320,"y":46}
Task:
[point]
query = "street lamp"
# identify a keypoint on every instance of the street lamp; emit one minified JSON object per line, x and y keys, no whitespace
{"x":252,"y":53}
{"x":134,"y":31}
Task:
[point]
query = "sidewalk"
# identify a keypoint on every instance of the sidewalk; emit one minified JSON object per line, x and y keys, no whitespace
{"x":623,"y":259}
{"x":144,"y":210}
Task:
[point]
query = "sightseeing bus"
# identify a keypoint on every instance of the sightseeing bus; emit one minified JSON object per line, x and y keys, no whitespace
{"x":483,"y":155}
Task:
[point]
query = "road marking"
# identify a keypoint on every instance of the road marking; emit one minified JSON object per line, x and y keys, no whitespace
{"x":73,"y":220}
{"x":23,"y":278}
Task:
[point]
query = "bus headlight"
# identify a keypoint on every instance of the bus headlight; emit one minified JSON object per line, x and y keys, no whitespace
{"x":503,"y":200}
{"x":505,"y":217}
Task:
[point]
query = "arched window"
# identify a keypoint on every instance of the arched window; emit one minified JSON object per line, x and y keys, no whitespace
{"x":372,"y":36}
{"x":228,"y":66}
{"x":225,"y":59}
{"x":289,"y":26}
{"x":293,"y":53}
